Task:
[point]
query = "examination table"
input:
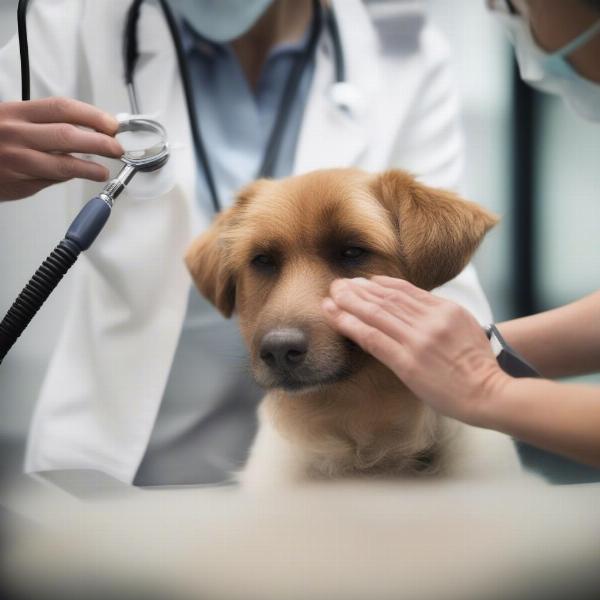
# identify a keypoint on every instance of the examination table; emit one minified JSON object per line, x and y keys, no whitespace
{"x":81,"y":534}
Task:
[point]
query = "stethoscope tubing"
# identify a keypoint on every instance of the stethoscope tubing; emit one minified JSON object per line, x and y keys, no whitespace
{"x":198,"y":140}
{"x":24,"y":49}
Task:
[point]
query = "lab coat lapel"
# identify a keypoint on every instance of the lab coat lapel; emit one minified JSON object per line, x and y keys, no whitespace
{"x":332,"y":136}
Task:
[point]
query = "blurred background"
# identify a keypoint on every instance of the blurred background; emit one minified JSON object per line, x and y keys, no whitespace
{"x":527,"y":158}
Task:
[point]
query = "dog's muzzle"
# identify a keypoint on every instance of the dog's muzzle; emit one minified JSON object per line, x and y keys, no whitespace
{"x":288,"y":363}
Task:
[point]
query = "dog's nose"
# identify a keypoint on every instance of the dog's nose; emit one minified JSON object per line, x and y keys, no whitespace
{"x":284,"y":348}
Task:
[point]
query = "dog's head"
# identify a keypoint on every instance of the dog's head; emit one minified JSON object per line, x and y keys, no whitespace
{"x":272,"y":257}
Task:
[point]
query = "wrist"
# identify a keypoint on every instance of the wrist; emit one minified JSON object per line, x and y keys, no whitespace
{"x":489,"y":402}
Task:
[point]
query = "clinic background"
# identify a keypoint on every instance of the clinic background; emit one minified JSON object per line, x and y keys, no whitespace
{"x":527,"y":158}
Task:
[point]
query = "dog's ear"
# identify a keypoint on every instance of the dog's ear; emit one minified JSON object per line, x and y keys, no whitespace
{"x":206,"y":261}
{"x":208,"y":257}
{"x":438,"y":231}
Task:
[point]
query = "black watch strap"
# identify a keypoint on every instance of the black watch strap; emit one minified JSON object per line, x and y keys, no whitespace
{"x":509,"y":359}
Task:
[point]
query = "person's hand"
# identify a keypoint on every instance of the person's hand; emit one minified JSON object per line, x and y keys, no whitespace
{"x":433,"y":345}
{"x":37,"y":137}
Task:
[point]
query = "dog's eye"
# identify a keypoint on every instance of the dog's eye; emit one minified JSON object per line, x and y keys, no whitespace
{"x":353,"y":253}
{"x":263,"y":260}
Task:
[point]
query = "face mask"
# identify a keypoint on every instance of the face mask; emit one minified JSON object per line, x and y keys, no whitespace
{"x":221,"y":20}
{"x":552,"y":72}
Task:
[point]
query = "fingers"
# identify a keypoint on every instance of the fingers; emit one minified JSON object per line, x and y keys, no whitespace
{"x":38,"y":137}
{"x":36,"y":165}
{"x":395,"y":300}
{"x":405,"y":286}
{"x":370,"y":312}
{"x":371,"y":340}
{"x":66,"y":110}
{"x":67,"y":138}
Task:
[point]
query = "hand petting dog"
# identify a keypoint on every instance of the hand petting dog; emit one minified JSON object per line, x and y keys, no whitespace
{"x":433,"y":345}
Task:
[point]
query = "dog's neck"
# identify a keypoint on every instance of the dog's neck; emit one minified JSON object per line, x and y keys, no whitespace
{"x":366,"y":423}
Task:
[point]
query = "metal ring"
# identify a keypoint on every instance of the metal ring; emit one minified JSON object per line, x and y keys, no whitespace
{"x":153,"y":157}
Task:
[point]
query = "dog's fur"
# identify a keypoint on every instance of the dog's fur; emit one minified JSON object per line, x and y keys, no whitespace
{"x":272,"y":257}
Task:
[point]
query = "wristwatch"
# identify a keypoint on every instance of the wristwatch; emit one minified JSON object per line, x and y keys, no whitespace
{"x":508,"y":358}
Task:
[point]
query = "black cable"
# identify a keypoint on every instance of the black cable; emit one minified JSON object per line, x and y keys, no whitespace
{"x":47,"y":277}
{"x":35,"y":293}
{"x":269,"y":162}
{"x":79,"y":237}
{"x":130,"y":45}
{"x":24,"y":49}
{"x":189,"y":98}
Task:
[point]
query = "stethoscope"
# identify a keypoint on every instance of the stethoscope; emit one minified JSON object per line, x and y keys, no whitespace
{"x":340,"y":92}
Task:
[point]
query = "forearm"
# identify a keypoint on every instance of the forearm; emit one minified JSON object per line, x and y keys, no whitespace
{"x":562,"y":418}
{"x":560,"y":342}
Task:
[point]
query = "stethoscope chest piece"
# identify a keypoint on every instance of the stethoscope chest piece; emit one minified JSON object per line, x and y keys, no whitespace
{"x":146,"y":150}
{"x":145,"y":142}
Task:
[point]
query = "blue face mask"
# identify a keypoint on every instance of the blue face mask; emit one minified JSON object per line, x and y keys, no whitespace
{"x":552,"y":72}
{"x":221,"y":20}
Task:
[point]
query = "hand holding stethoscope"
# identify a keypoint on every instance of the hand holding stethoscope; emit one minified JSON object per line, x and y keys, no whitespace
{"x":38,"y":137}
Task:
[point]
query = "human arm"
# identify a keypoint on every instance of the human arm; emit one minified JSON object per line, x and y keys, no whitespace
{"x":560,"y":342}
{"x":441,"y":353}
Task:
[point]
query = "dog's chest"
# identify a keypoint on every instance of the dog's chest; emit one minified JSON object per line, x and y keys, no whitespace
{"x":372,"y":435}
{"x":381,"y":453}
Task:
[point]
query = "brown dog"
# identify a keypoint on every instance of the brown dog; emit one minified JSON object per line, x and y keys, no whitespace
{"x":332,"y":409}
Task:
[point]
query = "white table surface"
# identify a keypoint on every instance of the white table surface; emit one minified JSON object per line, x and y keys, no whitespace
{"x":349,"y":540}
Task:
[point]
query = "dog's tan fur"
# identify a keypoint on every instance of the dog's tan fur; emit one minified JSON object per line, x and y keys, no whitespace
{"x":357,"y":417}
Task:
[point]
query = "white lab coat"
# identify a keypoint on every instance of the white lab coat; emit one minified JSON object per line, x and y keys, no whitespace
{"x":106,"y":377}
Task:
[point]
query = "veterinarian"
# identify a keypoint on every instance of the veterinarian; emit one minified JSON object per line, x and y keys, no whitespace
{"x":147,"y":381}
{"x":438,"y":349}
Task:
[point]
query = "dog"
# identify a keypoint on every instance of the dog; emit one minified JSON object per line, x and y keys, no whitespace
{"x":331,"y":410}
